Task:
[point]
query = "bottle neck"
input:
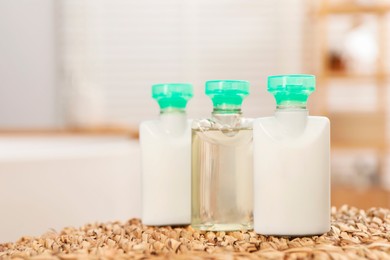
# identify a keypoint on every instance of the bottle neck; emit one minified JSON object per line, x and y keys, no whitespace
{"x":173,"y":121}
{"x":227,"y":116}
{"x":226,"y":110}
{"x":292,"y":119}
{"x":290,"y":105}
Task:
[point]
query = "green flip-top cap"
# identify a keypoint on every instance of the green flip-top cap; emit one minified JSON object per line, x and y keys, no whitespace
{"x":172,"y":95}
{"x":291,"y":90}
{"x":227,"y":94}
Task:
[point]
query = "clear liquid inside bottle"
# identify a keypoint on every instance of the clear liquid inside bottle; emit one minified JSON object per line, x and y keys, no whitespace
{"x":222,"y":173}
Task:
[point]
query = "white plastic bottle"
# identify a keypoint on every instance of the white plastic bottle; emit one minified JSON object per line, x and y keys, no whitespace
{"x":291,"y":163}
{"x":166,"y":158}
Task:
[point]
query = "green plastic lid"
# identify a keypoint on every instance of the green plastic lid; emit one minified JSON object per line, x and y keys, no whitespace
{"x":291,"y":90}
{"x":172,"y":95}
{"x":227,"y":94}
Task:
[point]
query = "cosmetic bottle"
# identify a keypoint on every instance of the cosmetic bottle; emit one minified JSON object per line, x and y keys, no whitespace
{"x":222,"y":162}
{"x":291,"y":163}
{"x":166,"y":158}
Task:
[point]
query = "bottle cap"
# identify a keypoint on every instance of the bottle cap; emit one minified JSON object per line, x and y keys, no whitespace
{"x":291,"y":90}
{"x":172,"y":95}
{"x":227,"y":94}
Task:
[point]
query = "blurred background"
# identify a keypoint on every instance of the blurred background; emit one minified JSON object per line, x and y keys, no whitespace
{"x":85,"y":67}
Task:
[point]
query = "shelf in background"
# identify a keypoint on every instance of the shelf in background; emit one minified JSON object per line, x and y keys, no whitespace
{"x":92,"y":131}
{"x":358,"y":129}
{"x":364,"y":198}
{"x":346,"y":75}
{"x":354,"y":9}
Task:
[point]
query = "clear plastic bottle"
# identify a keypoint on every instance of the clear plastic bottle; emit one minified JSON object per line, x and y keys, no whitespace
{"x":222,"y":158}
{"x":166,"y":158}
{"x":291,"y":163}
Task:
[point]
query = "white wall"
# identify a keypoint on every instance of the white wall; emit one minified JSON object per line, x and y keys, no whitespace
{"x":110,"y":52}
{"x":115,"y":50}
{"x":28,"y":65}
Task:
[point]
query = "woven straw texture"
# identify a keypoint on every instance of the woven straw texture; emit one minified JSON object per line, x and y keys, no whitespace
{"x":355,"y":234}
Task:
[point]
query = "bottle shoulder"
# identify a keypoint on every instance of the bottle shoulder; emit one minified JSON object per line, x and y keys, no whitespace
{"x":291,"y":128}
{"x":158,"y":129}
{"x":270,"y":119}
{"x":215,"y":124}
{"x":323,"y":119}
{"x":147,"y":123}
{"x":157,"y":122}
{"x":148,"y":126}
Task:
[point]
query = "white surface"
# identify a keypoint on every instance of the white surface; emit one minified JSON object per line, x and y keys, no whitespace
{"x":291,"y":174}
{"x":53,"y":182}
{"x":166,"y":170}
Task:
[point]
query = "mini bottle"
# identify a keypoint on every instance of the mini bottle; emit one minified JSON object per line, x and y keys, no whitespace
{"x":166,"y":158}
{"x":291,"y":163}
{"x":222,"y":162}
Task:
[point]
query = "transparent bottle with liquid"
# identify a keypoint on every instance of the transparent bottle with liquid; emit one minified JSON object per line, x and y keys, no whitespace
{"x":291,"y":163}
{"x":222,"y":162}
{"x":166,"y":158}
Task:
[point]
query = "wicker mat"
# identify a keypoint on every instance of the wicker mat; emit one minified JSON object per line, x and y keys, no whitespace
{"x":355,"y":234}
